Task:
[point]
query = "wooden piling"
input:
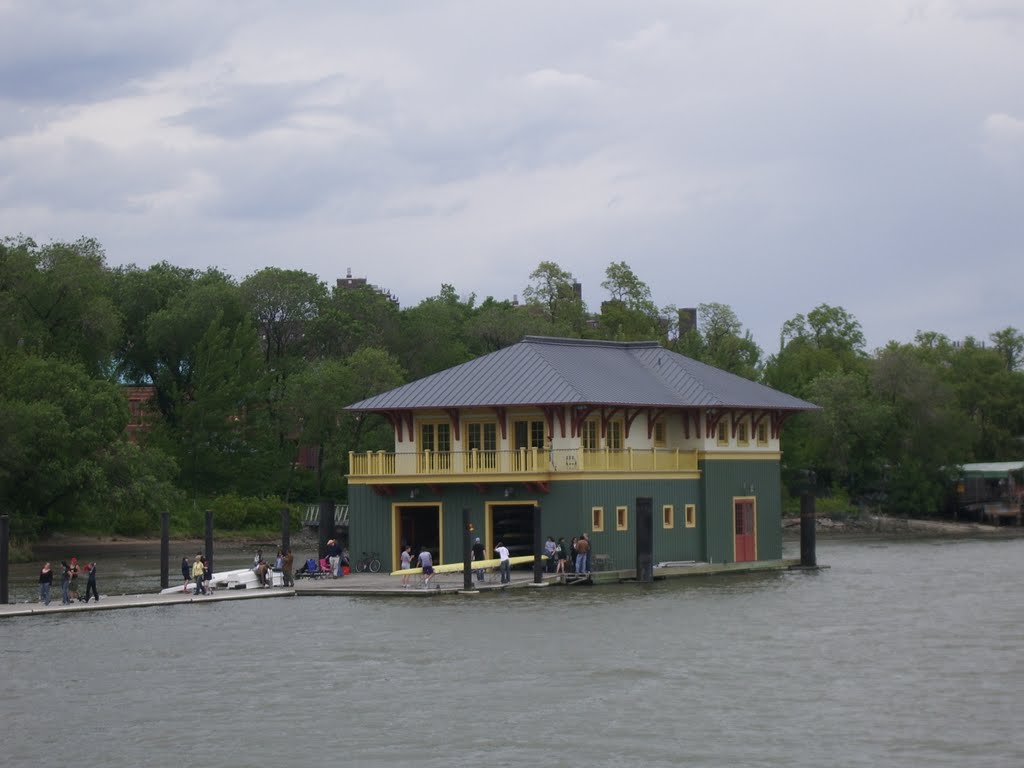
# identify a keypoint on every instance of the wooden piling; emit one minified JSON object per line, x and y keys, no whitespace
{"x":808,"y":557}
{"x":5,"y":534}
{"x":467,"y":553}
{"x":209,"y":539}
{"x":165,"y":548}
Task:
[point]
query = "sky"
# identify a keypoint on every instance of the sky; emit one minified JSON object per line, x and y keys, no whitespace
{"x":867,"y":154}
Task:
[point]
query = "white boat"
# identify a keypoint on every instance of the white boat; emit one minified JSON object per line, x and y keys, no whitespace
{"x":243,"y":578}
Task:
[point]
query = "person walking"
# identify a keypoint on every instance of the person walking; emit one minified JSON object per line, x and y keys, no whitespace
{"x":406,"y":564}
{"x":478,"y":556}
{"x":197,"y":575}
{"x":186,"y":573}
{"x":65,"y":583}
{"x":45,"y":583}
{"x":427,"y":564}
{"x":90,"y":583}
{"x":504,"y":567}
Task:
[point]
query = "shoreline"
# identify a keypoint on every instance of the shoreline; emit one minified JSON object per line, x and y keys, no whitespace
{"x":882,"y":526}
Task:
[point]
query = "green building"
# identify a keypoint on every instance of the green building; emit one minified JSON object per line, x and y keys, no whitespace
{"x":591,"y":431}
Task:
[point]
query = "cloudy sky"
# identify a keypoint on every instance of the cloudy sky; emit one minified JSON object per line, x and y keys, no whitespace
{"x":770,"y":156}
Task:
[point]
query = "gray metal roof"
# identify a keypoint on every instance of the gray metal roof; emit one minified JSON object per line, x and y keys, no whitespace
{"x":550,"y":371}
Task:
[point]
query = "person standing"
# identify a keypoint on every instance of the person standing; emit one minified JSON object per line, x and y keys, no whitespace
{"x":571,"y":556}
{"x":197,"y":575}
{"x":406,"y":564}
{"x":504,"y":567}
{"x":334,"y":557}
{"x":560,"y":555}
{"x":90,"y":584}
{"x":287,"y":563}
{"x":478,"y":556}
{"x":427,"y":564}
{"x":549,"y":552}
{"x":73,"y":587}
{"x":45,"y":583}
{"x":582,"y":549}
{"x":186,"y":573}
{"x":65,"y":583}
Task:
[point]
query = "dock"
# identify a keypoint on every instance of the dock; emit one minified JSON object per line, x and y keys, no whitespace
{"x":384,"y":585}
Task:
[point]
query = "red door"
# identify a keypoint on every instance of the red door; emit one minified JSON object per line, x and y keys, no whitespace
{"x":743,"y":517}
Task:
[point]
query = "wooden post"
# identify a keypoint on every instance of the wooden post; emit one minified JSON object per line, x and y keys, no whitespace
{"x":165,"y":549}
{"x":645,"y":539}
{"x":538,"y":547}
{"x":5,"y":535}
{"x":808,"y":557}
{"x":209,"y":539}
{"x":467,"y":543}
{"x":326,"y":526}
{"x":286,"y":529}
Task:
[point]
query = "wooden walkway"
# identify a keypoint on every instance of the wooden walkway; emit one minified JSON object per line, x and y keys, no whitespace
{"x":385,"y":585}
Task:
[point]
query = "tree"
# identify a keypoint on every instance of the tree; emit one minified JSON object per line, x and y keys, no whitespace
{"x":316,"y":399}
{"x":719,"y":340}
{"x":353,"y":318}
{"x":554,"y":293}
{"x":57,"y":425}
{"x":56,"y":301}
{"x":1009,"y":343}
{"x":926,"y":433}
{"x":433,"y":335}
{"x":284,"y":304}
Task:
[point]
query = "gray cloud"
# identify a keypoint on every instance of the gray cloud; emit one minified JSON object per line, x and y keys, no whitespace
{"x":865,"y":154}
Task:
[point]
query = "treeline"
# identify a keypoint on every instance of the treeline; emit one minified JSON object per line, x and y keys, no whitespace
{"x":248,"y":372}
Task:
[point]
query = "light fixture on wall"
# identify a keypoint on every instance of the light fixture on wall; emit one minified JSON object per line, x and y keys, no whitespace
{"x":414,"y":493}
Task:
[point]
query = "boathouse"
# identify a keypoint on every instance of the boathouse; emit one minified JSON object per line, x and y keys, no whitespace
{"x":604,"y":436}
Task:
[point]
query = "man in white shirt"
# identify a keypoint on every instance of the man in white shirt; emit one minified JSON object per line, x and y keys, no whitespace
{"x":504,"y":567}
{"x":427,"y":564}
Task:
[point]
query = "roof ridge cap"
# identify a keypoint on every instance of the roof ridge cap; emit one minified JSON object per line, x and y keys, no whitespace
{"x":557,"y":340}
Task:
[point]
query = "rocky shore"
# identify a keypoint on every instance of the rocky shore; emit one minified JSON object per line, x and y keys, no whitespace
{"x":886,"y":526}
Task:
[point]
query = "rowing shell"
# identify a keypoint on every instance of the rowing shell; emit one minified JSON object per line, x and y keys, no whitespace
{"x":475,"y":565}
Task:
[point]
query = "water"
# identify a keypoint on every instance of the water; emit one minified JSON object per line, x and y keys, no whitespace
{"x":902,"y":654}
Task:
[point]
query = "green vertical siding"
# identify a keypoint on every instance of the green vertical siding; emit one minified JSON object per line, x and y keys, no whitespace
{"x":566,"y":513}
{"x":724,"y":480}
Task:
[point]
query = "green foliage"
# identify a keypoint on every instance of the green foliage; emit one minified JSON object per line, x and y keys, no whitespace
{"x":58,"y":426}
{"x":245,"y":374}
{"x":720,"y":340}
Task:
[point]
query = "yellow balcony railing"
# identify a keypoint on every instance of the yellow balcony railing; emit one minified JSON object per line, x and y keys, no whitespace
{"x":520,"y":461}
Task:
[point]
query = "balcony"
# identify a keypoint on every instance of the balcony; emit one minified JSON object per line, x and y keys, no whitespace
{"x":523,"y":463}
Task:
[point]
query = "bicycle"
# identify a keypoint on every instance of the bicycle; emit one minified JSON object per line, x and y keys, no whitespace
{"x":370,"y":562}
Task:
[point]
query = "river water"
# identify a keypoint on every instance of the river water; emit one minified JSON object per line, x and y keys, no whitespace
{"x":903,"y":653}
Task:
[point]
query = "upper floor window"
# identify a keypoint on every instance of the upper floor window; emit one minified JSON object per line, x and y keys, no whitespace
{"x":590,"y":437}
{"x":659,"y":433}
{"x":528,"y":433}
{"x":723,"y":433}
{"x":762,"y":434}
{"x":482,"y":436}
{"x":436,"y":436}
{"x":615,"y":431}
{"x":741,"y":433}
